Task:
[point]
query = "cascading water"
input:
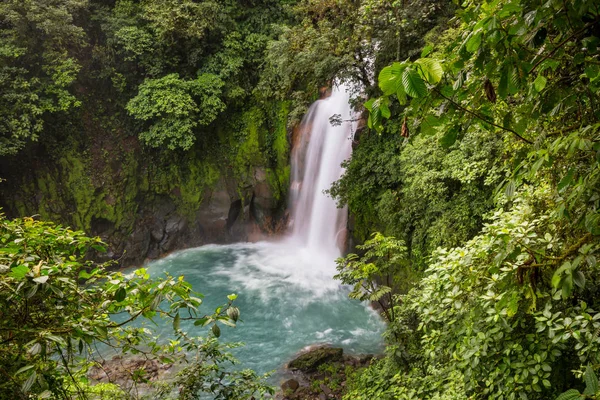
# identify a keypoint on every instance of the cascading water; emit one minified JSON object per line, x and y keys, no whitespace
{"x":286,"y":292}
{"x":317,"y":223}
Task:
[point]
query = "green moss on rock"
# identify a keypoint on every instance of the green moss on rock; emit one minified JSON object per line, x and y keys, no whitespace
{"x":310,"y":362}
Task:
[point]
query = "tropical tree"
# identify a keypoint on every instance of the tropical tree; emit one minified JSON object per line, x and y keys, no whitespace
{"x":39,"y":41}
{"x":174,"y":107}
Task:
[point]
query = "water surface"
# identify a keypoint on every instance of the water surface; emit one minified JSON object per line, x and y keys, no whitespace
{"x":286,"y":296}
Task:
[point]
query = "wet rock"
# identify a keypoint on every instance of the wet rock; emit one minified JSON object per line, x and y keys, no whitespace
{"x":174,"y":224}
{"x":157,"y":231}
{"x":365,"y":358}
{"x":309,"y":362}
{"x":290,"y":384}
{"x":325,"y":389}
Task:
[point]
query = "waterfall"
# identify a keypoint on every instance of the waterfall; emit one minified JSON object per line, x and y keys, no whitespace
{"x":319,"y":149}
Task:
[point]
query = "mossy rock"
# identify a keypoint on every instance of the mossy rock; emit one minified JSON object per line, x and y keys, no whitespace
{"x":309,"y":362}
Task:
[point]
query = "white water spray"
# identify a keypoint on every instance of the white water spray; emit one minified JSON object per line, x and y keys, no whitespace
{"x":317,"y":224}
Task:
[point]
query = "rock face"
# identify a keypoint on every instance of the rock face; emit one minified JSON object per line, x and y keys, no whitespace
{"x":149,"y":222}
{"x":231,"y":186}
{"x":223,"y":216}
{"x":291,"y":385}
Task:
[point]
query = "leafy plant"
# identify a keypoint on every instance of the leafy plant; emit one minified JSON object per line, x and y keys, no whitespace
{"x":376,"y":274}
{"x":592,"y":389}
{"x":56,"y":308}
{"x":175,"y":107}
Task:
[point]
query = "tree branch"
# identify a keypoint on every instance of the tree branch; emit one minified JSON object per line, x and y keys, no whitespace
{"x":561,"y":44}
{"x":474,"y":114}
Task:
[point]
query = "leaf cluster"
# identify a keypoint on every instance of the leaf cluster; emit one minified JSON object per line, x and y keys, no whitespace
{"x":61,"y":315}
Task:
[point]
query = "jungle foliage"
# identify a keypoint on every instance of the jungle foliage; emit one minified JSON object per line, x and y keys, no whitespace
{"x":482,"y":152}
{"x":479,"y":165}
{"x":62,"y":314}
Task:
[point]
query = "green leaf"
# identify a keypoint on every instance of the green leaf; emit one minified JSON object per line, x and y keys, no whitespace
{"x":120,"y":294}
{"x":540,"y":83}
{"x":474,"y":41}
{"x":429,"y":125}
{"x":567,"y":286}
{"x":503,"y":85}
{"x":413,"y":84}
{"x":385,"y":110}
{"x":176,"y":322}
{"x":431,"y":70}
{"x":23,"y":369}
{"x":401,"y":95}
{"x":511,"y":187}
{"x":592,"y":71}
{"x":102,"y":331}
{"x":35,"y":349}
{"x":390,"y":78}
{"x":570,"y":394}
{"x":426,"y":50}
{"x":556,"y":278}
{"x":579,"y":279}
{"x":449,"y":138}
{"x":566,"y":180}
{"x":232,"y":297}
{"x":41,"y":279}
{"x":29,"y":382}
{"x":546,"y":383}
{"x":228,"y":322}
{"x":18,"y":272}
{"x":216,"y":330}
{"x":591,"y":381}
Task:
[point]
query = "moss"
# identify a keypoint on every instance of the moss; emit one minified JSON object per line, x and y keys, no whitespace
{"x":248,"y":153}
{"x":90,"y":178}
{"x":279,"y":181}
{"x":201,"y":175}
{"x":281,"y":145}
{"x":278,"y":175}
{"x":310,"y":362}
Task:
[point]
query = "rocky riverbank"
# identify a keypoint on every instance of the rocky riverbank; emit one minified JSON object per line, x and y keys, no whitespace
{"x":320,"y":374}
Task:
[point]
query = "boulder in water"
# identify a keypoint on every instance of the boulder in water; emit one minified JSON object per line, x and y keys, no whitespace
{"x":309,"y":362}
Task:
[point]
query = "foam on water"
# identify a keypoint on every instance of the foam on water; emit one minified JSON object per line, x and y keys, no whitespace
{"x":286,"y":301}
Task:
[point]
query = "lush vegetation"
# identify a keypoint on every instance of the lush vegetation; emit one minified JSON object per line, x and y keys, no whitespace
{"x":483,"y":157}
{"x":474,"y":186}
{"x":61,"y":315}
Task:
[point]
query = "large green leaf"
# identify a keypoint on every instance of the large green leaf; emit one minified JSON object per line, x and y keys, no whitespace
{"x":449,"y":138}
{"x":540,"y":83}
{"x":18,"y":272}
{"x":474,"y":41}
{"x":430,"y":69}
{"x":571,"y":394}
{"x":390,"y":78}
{"x":591,"y":381}
{"x":413,"y":83}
